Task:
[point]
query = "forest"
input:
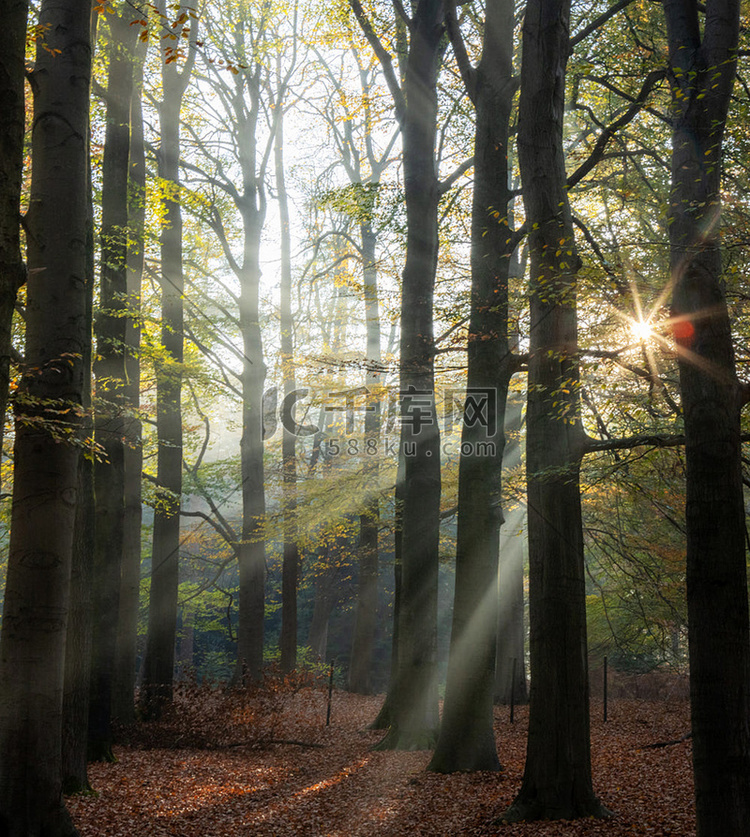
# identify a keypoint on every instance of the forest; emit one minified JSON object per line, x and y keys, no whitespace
{"x":372,"y":387}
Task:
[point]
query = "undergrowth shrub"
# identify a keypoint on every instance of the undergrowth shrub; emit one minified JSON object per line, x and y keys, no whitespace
{"x":210,"y":715}
{"x":658,"y":685}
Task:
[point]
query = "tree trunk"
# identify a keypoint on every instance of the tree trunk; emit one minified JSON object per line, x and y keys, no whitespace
{"x":467,"y":739}
{"x":415,"y":710}
{"x":510,"y":676}
{"x":369,"y":521}
{"x":186,"y":644}
{"x":12,"y":128}
{"x":78,"y":659}
{"x":326,"y":582}
{"x":123,"y":706}
{"x":32,"y":646}
{"x":158,"y":666}
{"x":703,"y":70}
{"x":290,"y":565}
{"x":78,"y":638}
{"x":385,"y":716}
{"x":111,"y":375}
{"x":557,"y":778}
{"x":252,"y":553}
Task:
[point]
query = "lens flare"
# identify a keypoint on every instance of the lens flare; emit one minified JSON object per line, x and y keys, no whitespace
{"x":642,"y":331}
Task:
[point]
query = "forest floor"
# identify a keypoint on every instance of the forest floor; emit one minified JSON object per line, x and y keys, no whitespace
{"x":342,"y":789}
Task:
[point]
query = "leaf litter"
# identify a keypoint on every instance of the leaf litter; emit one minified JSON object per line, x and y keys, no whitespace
{"x":342,"y":789}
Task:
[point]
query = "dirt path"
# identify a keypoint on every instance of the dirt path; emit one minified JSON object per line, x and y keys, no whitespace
{"x":344,"y":790}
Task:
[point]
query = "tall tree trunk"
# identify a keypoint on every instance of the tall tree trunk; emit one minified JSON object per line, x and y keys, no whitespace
{"x":111,"y":376}
{"x":12,"y":126}
{"x":369,"y":521}
{"x":78,"y":638}
{"x":123,"y":706}
{"x":415,"y":710}
{"x":158,"y":669}
{"x":76,"y":693}
{"x":252,"y":553}
{"x":702,"y":75}
{"x":251,"y":203}
{"x":510,"y":665}
{"x":32,"y":645}
{"x":241,"y":96}
{"x":557,"y":778}
{"x":385,"y":716}
{"x":364,"y":163}
{"x":467,"y":739}
{"x":290,"y":563}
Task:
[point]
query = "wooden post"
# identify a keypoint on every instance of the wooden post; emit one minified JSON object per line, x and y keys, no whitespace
{"x":330,"y":694}
{"x":605,"y":689}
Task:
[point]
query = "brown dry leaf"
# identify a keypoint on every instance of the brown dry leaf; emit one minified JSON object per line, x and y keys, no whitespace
{"x":344,"y":790}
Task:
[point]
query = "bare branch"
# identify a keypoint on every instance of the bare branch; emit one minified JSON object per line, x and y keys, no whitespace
{"x":606,"y":135}
{"x":598,"y":22}
{"x":468,"y":73}
{"x":446,"y":184}
{"x":386,"y":62}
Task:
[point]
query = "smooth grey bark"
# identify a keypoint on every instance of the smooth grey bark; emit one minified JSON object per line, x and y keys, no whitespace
{"x":557,"y":777}
{"x":467,"y":738}
{"x":109,"y":368}
{"x":48,"y":418}
{"x":158,"y":666}
{"x":702,"y":70}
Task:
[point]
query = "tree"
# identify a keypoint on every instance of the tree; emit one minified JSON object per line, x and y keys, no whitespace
{"x":123,"y":698}
{"x":32,"y":646}
{"x":354,"y":124}
{"x":158,"y":666}
{"x":702,"y":60}
{"x":467,"y":740}
{"x":245,"y":93}
{"x":510,"y":666}
{"x":291,"y":557}
{"x":369,"y":520}
{"x":414,"y":719}
{"x":111,"y":377}
{"x":76,"y":696}
{"x":557,"y":776}
{"x":78,"y":635}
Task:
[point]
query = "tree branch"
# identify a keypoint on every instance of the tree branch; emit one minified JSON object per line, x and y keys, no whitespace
{"x":386,"y":62}
{"x":656,"y":440}
{"x":468,"y":73}
{"x":597,"y":22}
{"x":446,"y":184}
{"x":606,"y":135}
